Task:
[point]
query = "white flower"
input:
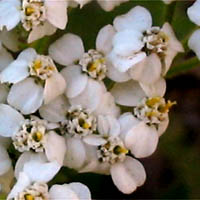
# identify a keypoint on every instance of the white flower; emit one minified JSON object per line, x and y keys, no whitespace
{"x":33,"y":171}
{"x":39,"y":17}
{"x":69,"y":50}
{"x":193,"y":12}
{"x":140,"y":48}
{"x":77,"y":121}
{"x":34,"y":71}
{"x":149,"y":105}
{"x":109,"y":157}
{"x":32,"y":134}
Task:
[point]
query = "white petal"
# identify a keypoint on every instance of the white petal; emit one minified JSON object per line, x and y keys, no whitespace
{"x":27,"y":55}
{"x":76,"y":81}
{"x":142,"y":140}
{"x":148,"y":70}
{"x":10,"y":14}
{"x":138,"y":18}
{"x":127,"y":121}
{"x":127,"y":93}
{"x":27,"y":157}
{"x":123,"y":63}
{"x":24,"y":99}
{"x":95,"y":140}
{"x":41,"y":172}
{"x":174,"y":47}
{"x":157,"y":88}
{"x":54,"y":87}
{"x":5,"y":58}
{"x":128,"y":175}
{"x":22,"y":182}
{"x":193,"y":12}
{"x":194,"y":42}
{"x":3,"y":93}
{"x":55,"y":147}
{"x":15,"y":72}
{"x":114,"y":126}
{"x":40,"y":31}
{"x":81,"y":190}
{"x":115,"y":74}
{"x":90,"y":98}
{"x":127,"y":42}
{"x":104,"y":39}
{"x":10,"y":120}
{"x":66,"y":50}
{"x":63,"y":192}
{"x":4,"y":160}
{"x":56,"y":110}
{"x":163,"y":126}
{"x":56,"y":13}
{"x":75,"y":154}
{"x":107,"y":106}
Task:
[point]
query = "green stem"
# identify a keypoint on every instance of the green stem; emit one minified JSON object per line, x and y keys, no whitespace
{"x":186,"y":65}
{"x":170,"y":12}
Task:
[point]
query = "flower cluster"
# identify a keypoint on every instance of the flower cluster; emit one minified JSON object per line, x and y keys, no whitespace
{"x":58,"y":110}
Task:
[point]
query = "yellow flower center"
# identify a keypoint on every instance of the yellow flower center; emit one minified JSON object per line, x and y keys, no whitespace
{"x":29,"y":11}
{"x":37,"y":136}
{"x":94,"y":65}
{"x":29,"y":197}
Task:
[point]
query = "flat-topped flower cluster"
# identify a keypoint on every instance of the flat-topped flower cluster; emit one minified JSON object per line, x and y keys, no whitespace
{"x":58,"y":110}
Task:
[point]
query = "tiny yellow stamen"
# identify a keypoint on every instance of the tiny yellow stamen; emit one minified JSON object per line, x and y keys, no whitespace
{"x":165,"y":108}
{"x":29,"y":11}
{"x":29,"y":197}
{"x":93,"y":66}
{"x":37,"y":65}
{"x":151,"y":114}
{"x":86,"y":125}
{"x":152,"y":101}
{"x":118,"y":150}
{"x":37,"y":136}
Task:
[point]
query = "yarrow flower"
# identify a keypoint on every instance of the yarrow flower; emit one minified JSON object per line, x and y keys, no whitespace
{"x":38,"y":17}
{"x":140,"y":48}
{"x":34,"y":71}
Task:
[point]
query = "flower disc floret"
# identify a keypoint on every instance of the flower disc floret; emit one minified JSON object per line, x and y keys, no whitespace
{"x":153,"y":110}
{"x":33,"y":13}
{"x":42,"y":67}
{"x":80,"y":122}
{"x":113,"y":151}
{"x":35,"y":191}
{"x":156,"y":41}
{"x":31,"y":136}
{"x":93,"y":63}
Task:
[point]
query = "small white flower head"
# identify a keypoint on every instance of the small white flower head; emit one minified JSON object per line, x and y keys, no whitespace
{"x":153,"y":110}
{"x":113,"y":151}
{"x":79,"y":122}
{"x":37,"y":191}
{"x":31,"y":136}
{"x":38,"y":72}
{"x":33,"y":13}
{"x":137,"y":45}
{"x":39,"y":17}
{"x":93,"y":63}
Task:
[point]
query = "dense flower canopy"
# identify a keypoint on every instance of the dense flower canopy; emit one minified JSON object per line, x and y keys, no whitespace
{"x":94,"y":110}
